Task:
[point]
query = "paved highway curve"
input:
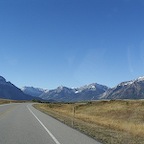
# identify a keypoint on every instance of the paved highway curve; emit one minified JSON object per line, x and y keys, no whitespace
{"x":23,"y":124}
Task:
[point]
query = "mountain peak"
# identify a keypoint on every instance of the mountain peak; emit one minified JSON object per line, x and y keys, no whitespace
{"x":10,"y":91}
{"x":60,"y":87}
{"x":140,"y":79}
{"x":126,"y":83}
{"x":2,"y":79}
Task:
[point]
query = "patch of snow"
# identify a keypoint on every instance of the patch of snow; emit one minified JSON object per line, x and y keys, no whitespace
{"x":77,"y":92}
{"x":128,"y":83}
{"x":125,"y":83}
{"x":93,"y":87}
{"x":46,"y":91}
{"x":140,"y":79}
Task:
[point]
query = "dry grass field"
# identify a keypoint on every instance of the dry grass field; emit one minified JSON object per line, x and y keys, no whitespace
{"x":110,"y":122}
{"x":3,"y":101}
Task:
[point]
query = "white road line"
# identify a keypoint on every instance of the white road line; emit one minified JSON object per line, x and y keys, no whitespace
{"x":52,"y":136}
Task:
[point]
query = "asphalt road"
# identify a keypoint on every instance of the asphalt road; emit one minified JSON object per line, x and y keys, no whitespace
{"x":23,"y":124}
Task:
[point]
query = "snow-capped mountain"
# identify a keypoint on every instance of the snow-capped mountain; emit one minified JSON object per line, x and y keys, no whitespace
{"x":133,"y":89}
{"x":85,"y":93}
{"x":89,"y":92}
{"x":36,"y":92}
{"x":91,"y":87}
{"x":10,"y":91}
{"x":60,"y":94}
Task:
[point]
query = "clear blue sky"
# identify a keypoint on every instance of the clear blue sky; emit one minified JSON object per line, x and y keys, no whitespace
{"x":47,"y":43}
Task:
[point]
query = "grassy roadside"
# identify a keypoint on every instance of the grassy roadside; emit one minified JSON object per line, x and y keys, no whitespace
{"x":110,"y":122}
{"x":6,"y":101}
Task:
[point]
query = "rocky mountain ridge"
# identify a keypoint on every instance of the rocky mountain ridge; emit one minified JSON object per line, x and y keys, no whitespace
{"x":133,"y":89}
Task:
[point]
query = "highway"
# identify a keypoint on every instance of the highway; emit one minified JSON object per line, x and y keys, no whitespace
{"x":23,"y":124}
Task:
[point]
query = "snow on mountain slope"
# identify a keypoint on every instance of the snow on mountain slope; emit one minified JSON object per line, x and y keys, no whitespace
{"x":91,"y":87}
{"x":33,"y":91}
{"x":133,"y":89}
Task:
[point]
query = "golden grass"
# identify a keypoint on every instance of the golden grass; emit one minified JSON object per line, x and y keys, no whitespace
{"x":117,"y":121}
{"x":3,"y":101}
{"x":6,"y":101}
{"x":123,"y":116}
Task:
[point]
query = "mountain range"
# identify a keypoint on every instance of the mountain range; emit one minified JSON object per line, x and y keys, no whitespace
{"x":85,"y":93}
{"x":133,"y":89}
{"x":65,"y":94}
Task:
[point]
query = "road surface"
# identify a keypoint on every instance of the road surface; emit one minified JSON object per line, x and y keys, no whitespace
{"x":23,"y":124}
